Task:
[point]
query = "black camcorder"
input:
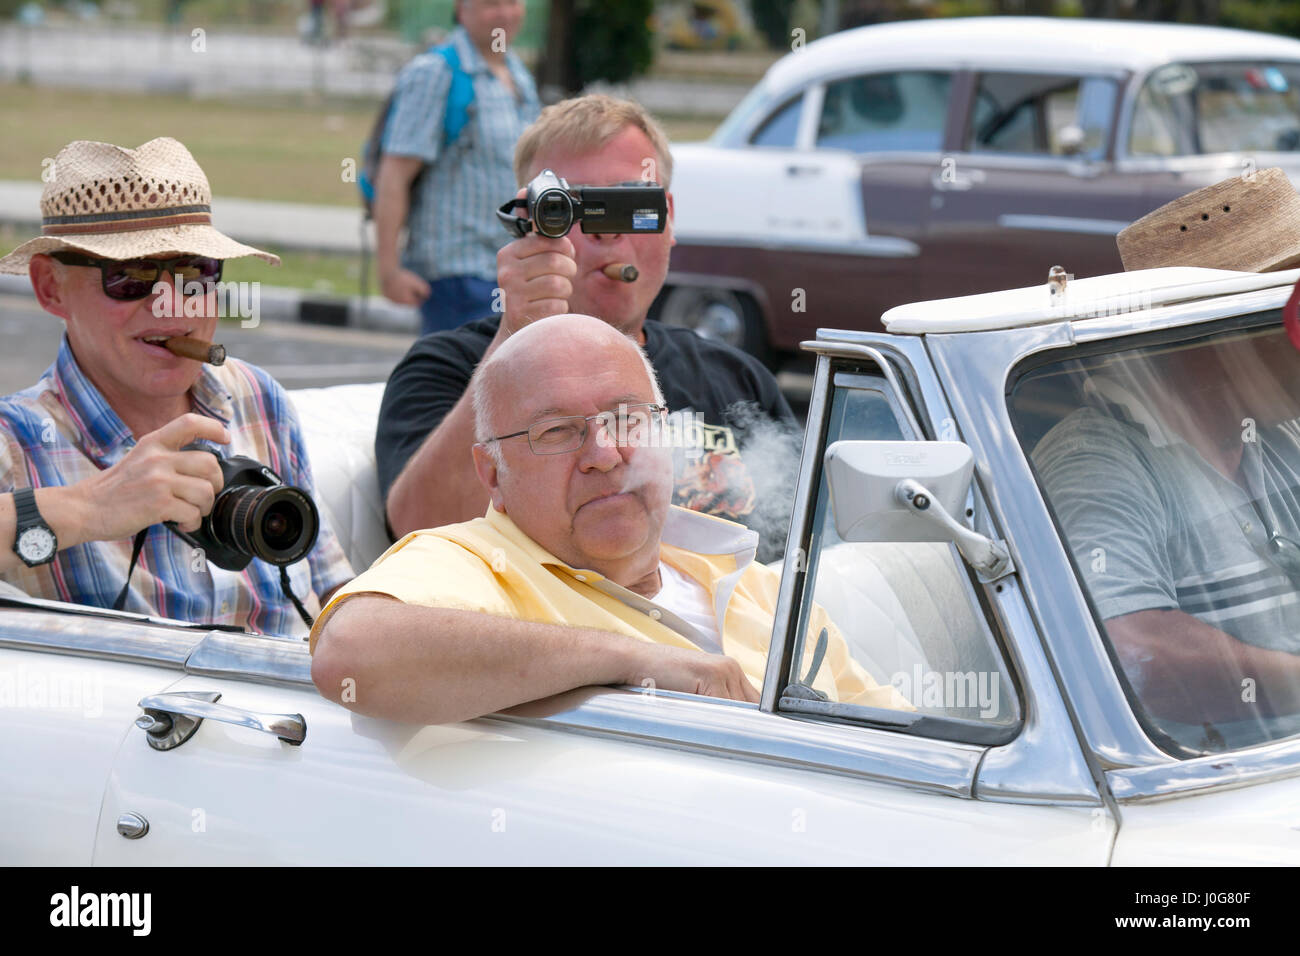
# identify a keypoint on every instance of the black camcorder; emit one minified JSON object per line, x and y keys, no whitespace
{"x":554,"y":206}
{"x":255,"y":515}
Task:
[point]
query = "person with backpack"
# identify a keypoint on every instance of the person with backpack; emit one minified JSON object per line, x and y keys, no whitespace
{"x":440,"y":161}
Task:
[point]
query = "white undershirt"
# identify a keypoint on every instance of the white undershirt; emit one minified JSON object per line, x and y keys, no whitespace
{"x":691,"y":601}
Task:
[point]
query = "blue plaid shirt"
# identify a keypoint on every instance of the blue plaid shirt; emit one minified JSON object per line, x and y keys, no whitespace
{"x":452,"y":226}
{"x":61,"y":431}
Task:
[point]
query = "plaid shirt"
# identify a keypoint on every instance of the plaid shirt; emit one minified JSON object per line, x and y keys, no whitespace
{"x":61,"y":430}
{"x":452,"y":225}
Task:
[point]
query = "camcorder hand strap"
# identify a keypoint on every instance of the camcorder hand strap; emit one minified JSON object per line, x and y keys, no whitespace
{"x":130,"y":568}
{"x":516,"y":225}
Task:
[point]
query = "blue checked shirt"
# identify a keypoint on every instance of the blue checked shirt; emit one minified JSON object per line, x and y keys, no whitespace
{"x":61,"y":430}
{"x":452,"y":225}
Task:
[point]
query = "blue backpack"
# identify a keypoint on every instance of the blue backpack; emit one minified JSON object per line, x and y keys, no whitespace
{"x":454,"y":118}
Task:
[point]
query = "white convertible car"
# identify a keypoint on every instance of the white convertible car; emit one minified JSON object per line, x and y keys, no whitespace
{"x":935,"y":524}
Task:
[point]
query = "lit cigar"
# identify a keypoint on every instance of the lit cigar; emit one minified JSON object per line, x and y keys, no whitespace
{"x":623,"y":271}
{"x":196,"y":349}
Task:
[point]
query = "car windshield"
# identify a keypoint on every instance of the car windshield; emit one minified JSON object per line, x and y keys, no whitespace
{"x":1186,"y":109}
{"x":1173,"y":471}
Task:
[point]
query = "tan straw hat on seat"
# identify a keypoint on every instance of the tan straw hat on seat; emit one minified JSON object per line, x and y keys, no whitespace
{"x":1246,"y":224}
{"x":118,"y":203}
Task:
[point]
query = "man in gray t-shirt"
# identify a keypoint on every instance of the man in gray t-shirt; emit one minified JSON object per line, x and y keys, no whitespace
{"x":1175,"y":554}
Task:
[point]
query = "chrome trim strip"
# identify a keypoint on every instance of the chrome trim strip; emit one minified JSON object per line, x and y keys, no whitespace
{"x":1186,"y":313}
{"x":846,"y":350}
{"x":251,"y":657}
{"x":103,"y":637}
{"x":778,"y":653}
{"x":731,"y":729}
{"x":1092,"y":227}
{"x":1241,"y":768}
{"x":875,"y":247}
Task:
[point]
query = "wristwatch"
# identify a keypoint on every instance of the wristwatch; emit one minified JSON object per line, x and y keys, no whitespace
{"x":34,"y":542}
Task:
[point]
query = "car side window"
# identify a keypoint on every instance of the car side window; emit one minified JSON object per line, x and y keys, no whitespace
{"x":877,"y":112}
{"x":1042,"y":114}
{"x":1189,"y":109}
{"x":782,"y":127}
{"x":906,"y":611}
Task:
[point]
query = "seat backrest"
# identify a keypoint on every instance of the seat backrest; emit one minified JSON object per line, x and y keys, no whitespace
{"x":338,"y":426}
{"x":903,"y":605}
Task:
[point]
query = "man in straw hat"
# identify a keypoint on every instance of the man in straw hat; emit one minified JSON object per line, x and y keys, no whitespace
{"x":96,"y":452}
{"x":1183,"y":467}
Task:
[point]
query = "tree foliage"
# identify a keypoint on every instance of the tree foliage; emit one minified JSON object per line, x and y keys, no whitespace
{"x":612,"y":41}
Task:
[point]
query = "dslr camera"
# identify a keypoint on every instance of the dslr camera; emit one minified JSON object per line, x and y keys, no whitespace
{"x":255,"y":515}
{"x":554,"y":207}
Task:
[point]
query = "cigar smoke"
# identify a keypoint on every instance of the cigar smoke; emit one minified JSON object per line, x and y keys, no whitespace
{"x":766,"y":472}
{"x":770,"y":451}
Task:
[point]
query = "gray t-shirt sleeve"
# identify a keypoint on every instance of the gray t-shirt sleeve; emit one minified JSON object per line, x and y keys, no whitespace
{"x":1101,"y":481}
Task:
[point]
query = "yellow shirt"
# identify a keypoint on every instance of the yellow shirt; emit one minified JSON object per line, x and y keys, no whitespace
{"x":490,"y":566}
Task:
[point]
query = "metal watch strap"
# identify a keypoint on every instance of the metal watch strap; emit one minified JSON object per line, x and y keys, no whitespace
{"x":27,"y":512}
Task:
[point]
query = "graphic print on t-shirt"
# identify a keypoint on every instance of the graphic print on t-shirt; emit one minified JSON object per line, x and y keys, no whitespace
{"x":708,"y":473}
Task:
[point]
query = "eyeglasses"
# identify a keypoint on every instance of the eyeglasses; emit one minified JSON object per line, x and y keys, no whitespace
{"x":628,"y":426}
{"x":132,"y":279}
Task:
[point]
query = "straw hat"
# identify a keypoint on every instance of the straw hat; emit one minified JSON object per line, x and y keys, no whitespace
{"x":1243,"y":224}
{"x":119,"y":203}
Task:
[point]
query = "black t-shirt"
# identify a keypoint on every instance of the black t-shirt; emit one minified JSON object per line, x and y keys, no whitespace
{"x":742,"y":467}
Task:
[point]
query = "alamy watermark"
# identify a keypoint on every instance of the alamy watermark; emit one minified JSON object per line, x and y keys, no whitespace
{"x":637,"y":427}
{"x":950,"y":690}
{"x":242,"y":300}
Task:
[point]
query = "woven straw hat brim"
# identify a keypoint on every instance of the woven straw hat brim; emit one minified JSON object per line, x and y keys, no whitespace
{"x":188,"y":240}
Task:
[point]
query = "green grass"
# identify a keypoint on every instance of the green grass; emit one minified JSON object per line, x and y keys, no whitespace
{"x":285,"y":149}
{"x":289,"y":150}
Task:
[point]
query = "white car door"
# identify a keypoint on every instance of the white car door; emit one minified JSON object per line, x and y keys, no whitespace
{"x":531,"y":790}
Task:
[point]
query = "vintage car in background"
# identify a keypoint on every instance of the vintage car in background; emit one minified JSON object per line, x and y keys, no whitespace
{"x":922,"y":523}
{"x":936,"y":158}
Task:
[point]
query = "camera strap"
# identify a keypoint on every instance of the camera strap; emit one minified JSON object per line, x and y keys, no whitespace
{"x":136,"y":548}
{"x":288,"y":592}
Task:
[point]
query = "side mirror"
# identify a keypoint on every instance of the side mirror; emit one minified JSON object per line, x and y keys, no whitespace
{"x":1071,"y":139}
{"x":909,"y":491}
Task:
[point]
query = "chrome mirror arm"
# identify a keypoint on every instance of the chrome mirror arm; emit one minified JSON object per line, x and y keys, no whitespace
{"x":990,"y":559}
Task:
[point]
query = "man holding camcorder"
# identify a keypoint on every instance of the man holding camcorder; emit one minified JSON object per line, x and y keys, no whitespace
{"x":105,"y":497}
{"x":721,"y":397}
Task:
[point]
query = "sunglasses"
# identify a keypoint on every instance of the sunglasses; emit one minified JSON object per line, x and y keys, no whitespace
{"x":132,"y":279}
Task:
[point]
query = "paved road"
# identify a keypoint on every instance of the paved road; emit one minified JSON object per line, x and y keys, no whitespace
{"x":298,"y":355}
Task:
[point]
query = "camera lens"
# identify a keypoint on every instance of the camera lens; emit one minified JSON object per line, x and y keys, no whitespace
{"x":554,"y":213}
{"x":278,"y":525}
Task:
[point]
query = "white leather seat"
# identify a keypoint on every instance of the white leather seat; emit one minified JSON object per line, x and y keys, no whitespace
{"x":338,"y":426}
{"x":904,"y":605}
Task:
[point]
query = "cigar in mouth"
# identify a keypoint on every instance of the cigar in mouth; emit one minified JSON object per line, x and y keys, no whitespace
{"x":196,"y":349}
{"x":622,"y":271}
